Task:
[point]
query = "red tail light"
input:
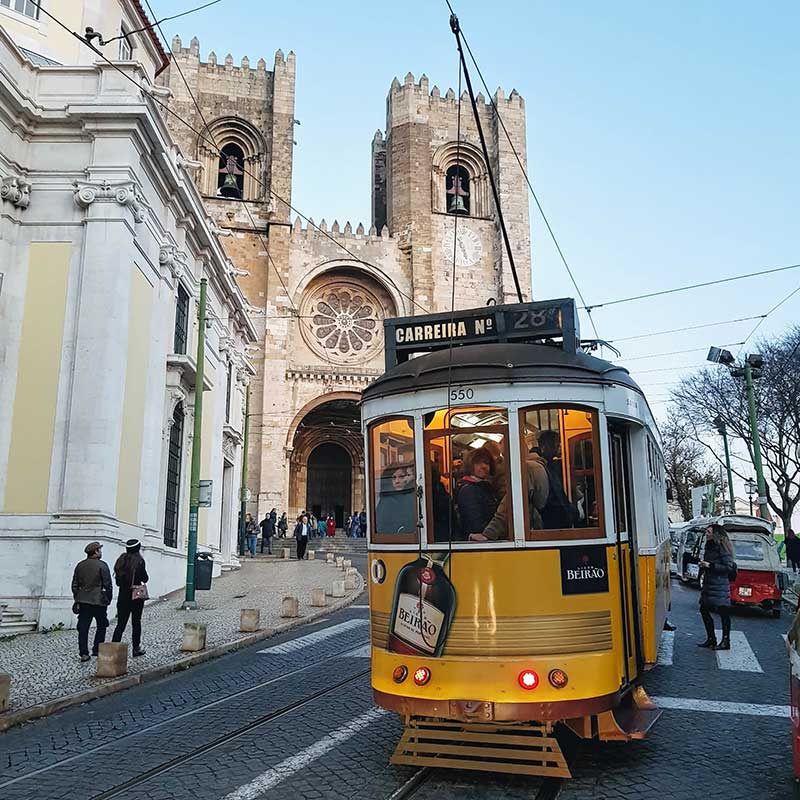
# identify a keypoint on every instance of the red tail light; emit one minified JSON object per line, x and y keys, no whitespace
{"x":528,"y":679}
{"x":421,"y":676}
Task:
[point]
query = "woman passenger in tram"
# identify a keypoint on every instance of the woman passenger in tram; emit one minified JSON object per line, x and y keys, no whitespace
{"x":395,"y":512}
{"x":476,"y":497}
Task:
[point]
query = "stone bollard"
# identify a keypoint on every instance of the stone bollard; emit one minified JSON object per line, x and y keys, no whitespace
{"x":5,"y":690}
{"x":112,"y":660}
{"x":249,"y":619}
{"x":350,"y":572}
{"x":347,"y":563}
{"x":312,"y":554}
{"x":349,"y":584}
{"x":287,"y":553}
{"x":330,"y":558}
{"x":194,"y":637}
{"x":290,"y":607}
{"x":339,"y":561}
{"x":318,"y":598}
{"x":337,"y":590}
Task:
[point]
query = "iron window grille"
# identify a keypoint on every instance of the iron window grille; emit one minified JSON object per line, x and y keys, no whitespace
{"x":181,"y":320}
{"x":174,"y":460}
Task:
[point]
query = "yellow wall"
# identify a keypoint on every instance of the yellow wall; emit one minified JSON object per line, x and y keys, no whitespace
{"x":130,"y":452}
{"x":34,"y":414}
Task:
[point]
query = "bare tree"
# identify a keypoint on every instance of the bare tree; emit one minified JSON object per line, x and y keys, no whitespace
{"x":713,"y":393}
{"x":685,"y":462}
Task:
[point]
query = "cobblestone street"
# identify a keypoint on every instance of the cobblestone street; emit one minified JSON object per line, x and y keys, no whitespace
{"x":292,"y":717}
{"x":45,"y":667}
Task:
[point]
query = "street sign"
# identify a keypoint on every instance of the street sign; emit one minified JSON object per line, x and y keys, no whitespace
{"x":205,"y":494}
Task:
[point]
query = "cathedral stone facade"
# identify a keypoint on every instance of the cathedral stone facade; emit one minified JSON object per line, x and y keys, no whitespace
{"x":319,"y":293}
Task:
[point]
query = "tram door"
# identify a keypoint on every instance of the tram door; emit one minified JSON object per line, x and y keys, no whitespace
{"x":627,"y":551}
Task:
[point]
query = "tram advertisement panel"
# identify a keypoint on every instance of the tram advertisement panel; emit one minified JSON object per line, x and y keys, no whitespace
{"x":584,"y":569}
{"x":422,"y":610}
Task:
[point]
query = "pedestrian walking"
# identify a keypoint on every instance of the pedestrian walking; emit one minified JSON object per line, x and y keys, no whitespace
{"x":792,"y":550}
{"x":268,"y":525}
{"x":283,"y":526}
{"x":717,"y":570}
{"x":131,"y":576}
{"x":301,"y":532}
{"x":355,"y":527}
{"x":91,"y":594}
{"x":251,"y":532}
{"x":362,"y":523}
{"x":321,"y":527}
{"x":312,"y":521}
{"x":330,"y":525}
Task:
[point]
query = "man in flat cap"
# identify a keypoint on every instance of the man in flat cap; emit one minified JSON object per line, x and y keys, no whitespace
{"x":92,"y":591}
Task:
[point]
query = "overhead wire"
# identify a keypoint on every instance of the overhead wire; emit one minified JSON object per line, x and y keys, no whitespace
{"x":675,"y":352}
{"x":527,"y":180}
{"x":761,"y":321}
{"x":685,"y":328}
{"x":205,"y":139}
{"x":157,"y":23}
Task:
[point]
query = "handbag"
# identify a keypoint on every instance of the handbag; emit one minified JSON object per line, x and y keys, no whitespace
{"x":139,"y":592}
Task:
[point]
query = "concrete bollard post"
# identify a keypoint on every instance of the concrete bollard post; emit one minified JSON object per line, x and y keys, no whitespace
{"x":349,"y":584}
{"x":347,"y":563}
{"x":287,"y":553}
{"x":290,"y":607}
{"x":318,"y":598}
{"x":194,"y":637}
{"x":249,"y":619}
{"x":5,"y":690}
{"x":337,"y":590}
{"x":350,"y":572}
{"x":112,"y":660}
{"x":330,"y":558}
{"x":339,"y":561}
{"x":312,"y":554}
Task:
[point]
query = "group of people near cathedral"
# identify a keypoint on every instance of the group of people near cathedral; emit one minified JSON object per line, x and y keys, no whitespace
{"x":478,"y":510}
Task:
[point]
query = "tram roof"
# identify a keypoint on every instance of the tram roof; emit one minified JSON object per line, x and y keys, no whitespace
{"x":497,"y":363}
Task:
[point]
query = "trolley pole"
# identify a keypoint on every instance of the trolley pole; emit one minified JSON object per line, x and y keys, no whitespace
{"x":724,"y":433}
{"x":751,"y":404}
{"x":194,"y":492}
{"x":243,"y":488}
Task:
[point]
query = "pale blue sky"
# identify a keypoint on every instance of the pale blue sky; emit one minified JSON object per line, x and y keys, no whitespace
{"x":662,"y":141}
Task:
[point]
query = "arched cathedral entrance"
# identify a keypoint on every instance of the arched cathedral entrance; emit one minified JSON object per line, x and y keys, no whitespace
{"x":326,"y":467}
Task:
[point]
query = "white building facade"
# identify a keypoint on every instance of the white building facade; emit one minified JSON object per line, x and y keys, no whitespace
{"x":103,"y":244}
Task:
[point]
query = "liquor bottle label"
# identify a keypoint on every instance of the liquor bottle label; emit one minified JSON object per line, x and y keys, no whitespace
{"x":417,"y":622}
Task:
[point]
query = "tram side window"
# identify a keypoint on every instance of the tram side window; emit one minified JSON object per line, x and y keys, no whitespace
{"x":466,"y":453}
{"x":393,"y":481}
{"x":561,"y":477}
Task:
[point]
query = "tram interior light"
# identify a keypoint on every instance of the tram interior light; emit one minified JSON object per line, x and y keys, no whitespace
{"x":421,"y":676}
{"x":719,"y":356}
{"x":528,"y":679}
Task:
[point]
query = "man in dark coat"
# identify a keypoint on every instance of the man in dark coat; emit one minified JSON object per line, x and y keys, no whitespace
{"x":92,"y":592}
{"x":267,"y":526}
{"x":792,"y":550}
{"x":557,"y":512}
{"x":716,"y":571}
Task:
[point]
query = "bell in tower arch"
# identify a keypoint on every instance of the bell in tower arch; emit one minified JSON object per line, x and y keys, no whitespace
{"x":457,"y":194}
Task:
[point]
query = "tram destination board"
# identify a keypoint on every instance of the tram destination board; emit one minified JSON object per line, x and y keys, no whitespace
{"x":553,"y":321}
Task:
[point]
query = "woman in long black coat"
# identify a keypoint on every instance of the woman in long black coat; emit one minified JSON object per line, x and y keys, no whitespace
{"x":716,"y":572}
{"x":130,"y":571}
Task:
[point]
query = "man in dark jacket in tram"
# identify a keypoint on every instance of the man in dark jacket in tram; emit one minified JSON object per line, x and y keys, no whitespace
{"x":557,"y":512}
{"x":92,"y":591}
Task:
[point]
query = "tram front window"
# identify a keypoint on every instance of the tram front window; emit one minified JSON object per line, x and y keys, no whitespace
{"x":466,"y":472}
{"x":393,"y":481}
{"x":561,"y":474}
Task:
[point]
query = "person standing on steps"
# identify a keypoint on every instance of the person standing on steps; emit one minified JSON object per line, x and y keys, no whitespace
{"x":91,"y":592}
{"x":330,"y":525}
{"x":251,"y":532}
{"x":267,"y":526}
{"x":131,"y":576}
{"x":717,"y":570}
{"x":283,"y":526}
{"x":301,"y":532}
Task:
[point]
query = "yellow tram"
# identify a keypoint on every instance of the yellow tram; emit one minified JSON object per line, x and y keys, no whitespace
{"x":518,"y":538}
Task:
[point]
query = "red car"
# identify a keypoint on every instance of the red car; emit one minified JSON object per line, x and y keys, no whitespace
{"x":760,"y":580}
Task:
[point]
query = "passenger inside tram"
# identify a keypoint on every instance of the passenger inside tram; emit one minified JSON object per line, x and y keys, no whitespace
{"x":395,"y":510}
{"x":476,"y":495}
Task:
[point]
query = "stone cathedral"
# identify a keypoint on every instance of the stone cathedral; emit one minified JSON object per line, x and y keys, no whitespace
{"x":319,"y":301}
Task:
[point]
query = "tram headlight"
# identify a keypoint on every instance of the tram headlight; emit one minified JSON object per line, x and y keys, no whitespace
{"x":528,"y":679}
{"x":558,"y":678}
{"x":400,"y":673}
{"x":421,"y":676}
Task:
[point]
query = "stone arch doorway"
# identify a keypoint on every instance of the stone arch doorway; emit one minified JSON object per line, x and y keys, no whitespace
{"x":329,"y":488}
{"x":326,"y":466}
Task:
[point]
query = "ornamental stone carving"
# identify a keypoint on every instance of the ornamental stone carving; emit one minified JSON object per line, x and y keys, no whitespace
{"x":229,"y":448}
{"x":126,"y":193}
{"x":345,"y":320}
{"x":175,"y":259}
{"x":16,"y":190}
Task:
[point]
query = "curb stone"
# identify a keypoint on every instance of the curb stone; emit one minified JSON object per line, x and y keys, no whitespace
{"x":30,"y":713}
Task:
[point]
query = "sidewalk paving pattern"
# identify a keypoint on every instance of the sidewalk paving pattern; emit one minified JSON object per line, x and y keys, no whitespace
{"x":45,"y":667}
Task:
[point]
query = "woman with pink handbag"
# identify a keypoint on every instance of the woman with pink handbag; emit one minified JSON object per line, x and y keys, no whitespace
{"x":131,"y":577}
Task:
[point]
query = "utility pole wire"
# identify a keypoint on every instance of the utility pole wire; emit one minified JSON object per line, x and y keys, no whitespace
{"x":157,"y":23}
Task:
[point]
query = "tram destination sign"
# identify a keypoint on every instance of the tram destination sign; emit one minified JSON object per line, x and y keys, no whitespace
{"x":548,"y":321}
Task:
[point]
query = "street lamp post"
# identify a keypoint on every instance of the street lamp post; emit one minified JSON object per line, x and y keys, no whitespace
{"x":749,"y":370}
{"x":751,"y":487}
{"x":720,"y":423}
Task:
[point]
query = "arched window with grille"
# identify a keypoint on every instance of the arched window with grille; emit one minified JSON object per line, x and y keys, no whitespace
{"x":174,"y":464}
{"x":230,"y":179}
{"x":458,"y":186}
{"x":234,"y":155}
{"x":460,"y":181}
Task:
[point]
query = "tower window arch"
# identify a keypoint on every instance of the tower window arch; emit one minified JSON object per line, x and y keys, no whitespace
{"x":460,"y":181}
{"x":230,"y":178}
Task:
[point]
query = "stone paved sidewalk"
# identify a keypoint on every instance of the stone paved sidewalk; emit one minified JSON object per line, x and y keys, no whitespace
{"x":45,"y":667}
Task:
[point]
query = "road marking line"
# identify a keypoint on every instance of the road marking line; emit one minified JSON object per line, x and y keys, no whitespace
{"x":666,"y":648}
{"x":289,"y":766}
{"x":721,"y":707}
{"x":740,"y":657}
{"x":359,"y":606}
{"x":313,"y":638}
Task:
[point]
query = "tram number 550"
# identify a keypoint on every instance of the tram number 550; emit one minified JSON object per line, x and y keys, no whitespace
{"x":461,"y":393}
